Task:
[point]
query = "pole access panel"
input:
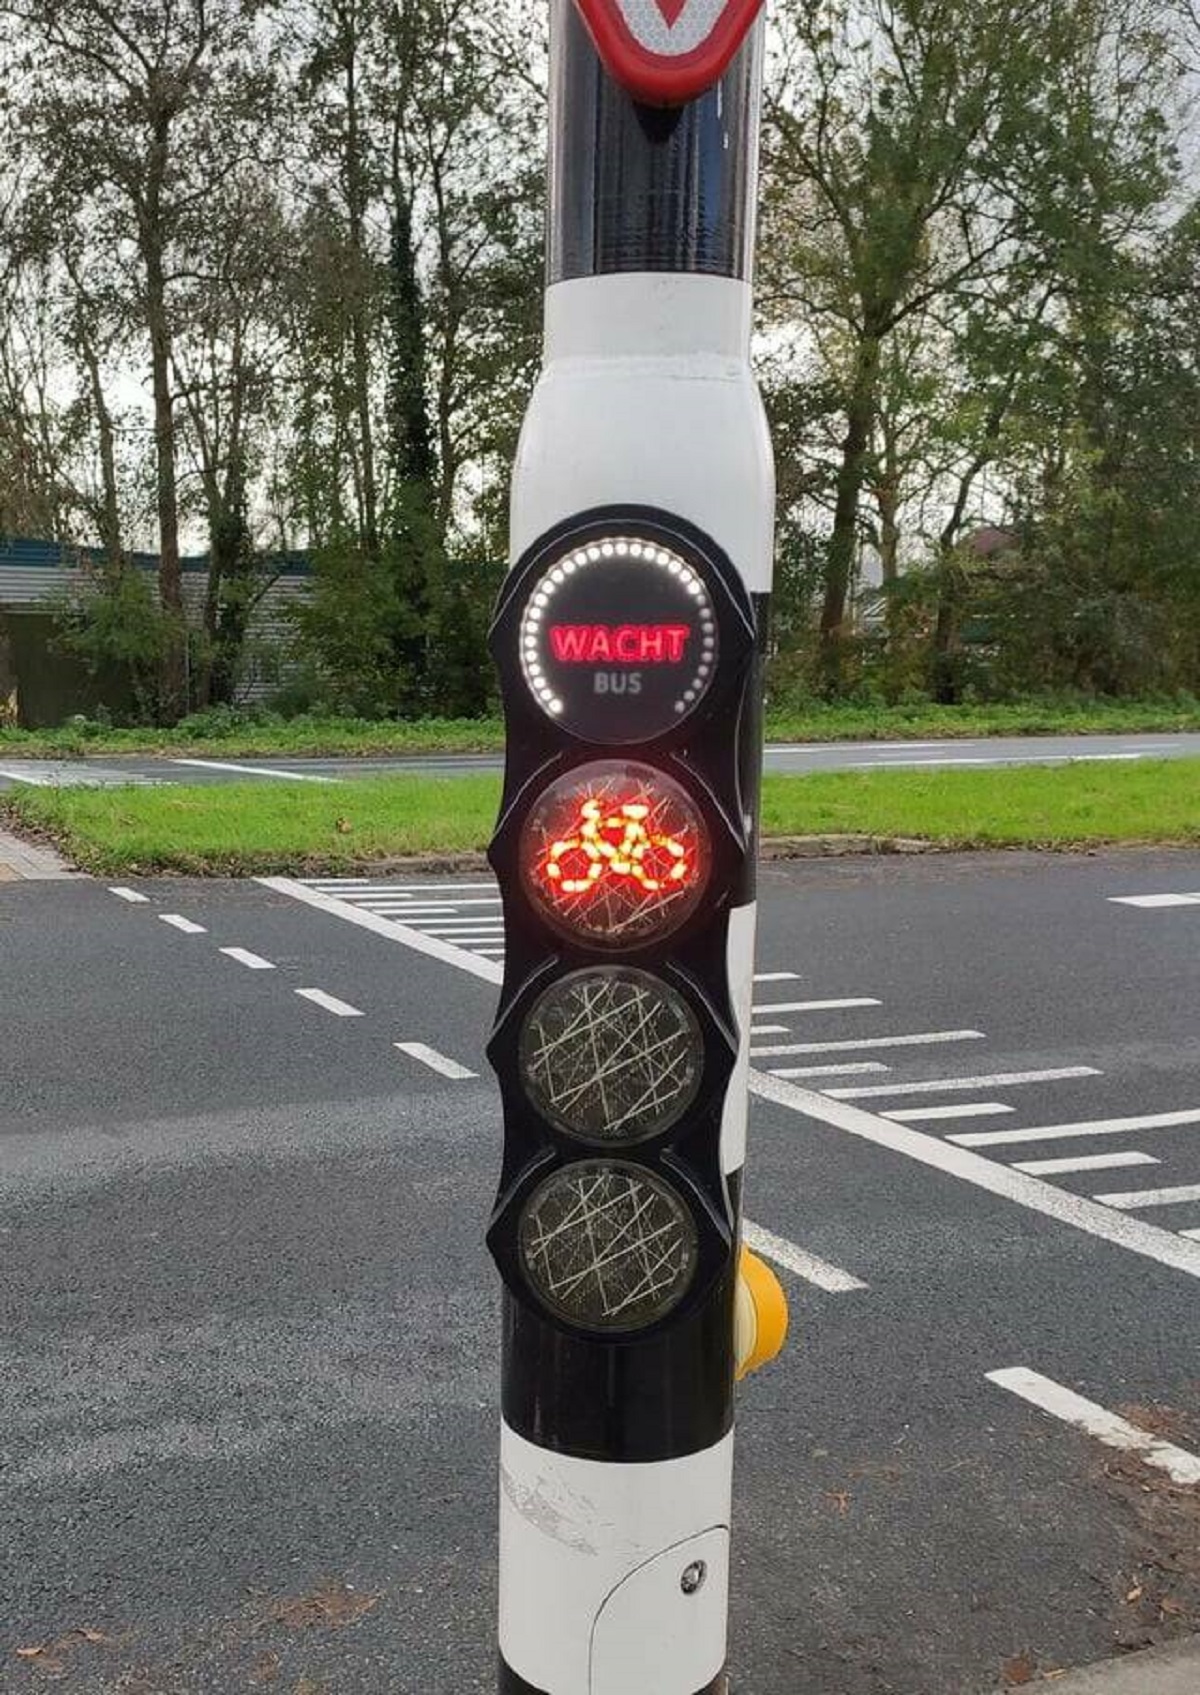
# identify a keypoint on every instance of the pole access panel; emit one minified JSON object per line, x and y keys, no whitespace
{"x":629,"y":640}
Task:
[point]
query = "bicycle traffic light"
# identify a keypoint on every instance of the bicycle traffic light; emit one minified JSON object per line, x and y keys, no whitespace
{"x":629,"y":639}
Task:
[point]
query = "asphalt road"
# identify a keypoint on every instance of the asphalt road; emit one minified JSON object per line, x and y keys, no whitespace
{"x":249,"y":1343}
{"x":810,"y":756}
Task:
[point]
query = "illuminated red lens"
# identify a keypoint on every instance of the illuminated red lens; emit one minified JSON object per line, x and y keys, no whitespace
{"x":616,"y":853}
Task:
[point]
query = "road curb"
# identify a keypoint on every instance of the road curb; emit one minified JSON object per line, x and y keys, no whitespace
{"x":23,"y":863}
{"x":1159,"y":1671}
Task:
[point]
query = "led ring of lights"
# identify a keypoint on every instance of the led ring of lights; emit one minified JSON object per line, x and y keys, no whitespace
{"x":615,"y":853}
{"x":608,"y":1246}
{"x":618,"y":639}
{"x":612,"y":1055}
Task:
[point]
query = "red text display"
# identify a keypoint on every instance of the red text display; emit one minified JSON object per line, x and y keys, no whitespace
{"x":624,"y":644}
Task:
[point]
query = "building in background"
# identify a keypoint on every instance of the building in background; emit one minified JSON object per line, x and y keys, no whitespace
{"x":41,"y":686}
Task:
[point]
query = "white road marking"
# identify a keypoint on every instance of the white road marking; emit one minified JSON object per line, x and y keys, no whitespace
{"x":1154,"y":900}
{"x":132,"y":896}
{"x":491,"y":953}
{"x":1064,"y":1132}
{"x":1192,"y":1235}
{"x":1115,"y":1432}
{"x":769,"y":1030}
{"x":468,"y":936}
{"x":849,"y":1070}
{"x":818,"y":1006}
{"x":416,"y":939}
{"x":1134,"y":1234}
{"x":928,"y":1039}
{"x":1149,"y":1240}
{"x":816,"y":1271}
{"x":1136,"y":1198}
{"x":947,"y":1085}
{"x":348,"y":887}
{"x":976,"y":1109}
{"x":256,"y":771}
{"x":424,"y":913}
{"x":445,"y":904}
{"x":1082,"y":1162}
{"x":340,"y":1009}
{"x":436,"y":1061}
{"x":776,"y":976}
{"x":184,"y":925}
{"x":252,"y":961}
{"x":834,"y":749}
{"x":15,"y":774}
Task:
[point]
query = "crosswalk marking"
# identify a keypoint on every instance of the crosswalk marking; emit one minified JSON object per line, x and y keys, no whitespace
{"x":1086,"y":1127}
{"x":861,"y":1069}
{"x":929,"y":1038}
{"x":1082,"y":1162}
{"x":940,"y":1085}
{"x":1134,"y":1200}
{"x":972,"y":1109}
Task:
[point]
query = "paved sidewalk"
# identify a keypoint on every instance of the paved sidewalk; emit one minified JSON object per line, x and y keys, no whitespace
{"x":21,"y":862}
{"x":1162,"y":1671}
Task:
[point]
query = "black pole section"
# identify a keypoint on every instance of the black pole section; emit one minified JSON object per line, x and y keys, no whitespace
{"x":639,"y":188}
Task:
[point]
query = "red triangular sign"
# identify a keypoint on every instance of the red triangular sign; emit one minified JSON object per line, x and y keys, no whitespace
{"x":666,"y":52}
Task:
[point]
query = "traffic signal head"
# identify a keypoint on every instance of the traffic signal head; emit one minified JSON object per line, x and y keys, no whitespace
{"x":628,"y":653}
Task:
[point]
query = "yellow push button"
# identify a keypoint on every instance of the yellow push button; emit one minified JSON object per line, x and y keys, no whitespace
{"x":761,"y":1315}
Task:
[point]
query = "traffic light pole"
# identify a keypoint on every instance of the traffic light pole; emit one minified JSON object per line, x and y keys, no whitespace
{"x":629,"y":640}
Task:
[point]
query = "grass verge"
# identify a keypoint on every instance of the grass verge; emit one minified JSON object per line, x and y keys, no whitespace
{"x":253,"y":738}
{"x":254,"y":828}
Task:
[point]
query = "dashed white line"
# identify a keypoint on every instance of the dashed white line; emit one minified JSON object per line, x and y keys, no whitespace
{"x":1065,"y":1132}
{"x":816,"y":1271}
{"x":975,"y":1109}
{"x":252,"y":961}
{"x":929,"y":1038}
{"x":769,"y":1030}
{"x":818,"y":1006}
{"x":1150,"y":901}
{"x":183,"y":925}
{"x":1107,"y":1427}
{"x":1166,"y":1247}
{"x":340,"y":1009}
{"x":1134,"y":1199}
{"x":776,"y":976}
{"x":860,"y":1069}
{"x":1082,"y":1162}
{"x":132,"y":896}
{"x":436,"y":1061}
{"x":947,"y":1085}
{"x":255,"y":771}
